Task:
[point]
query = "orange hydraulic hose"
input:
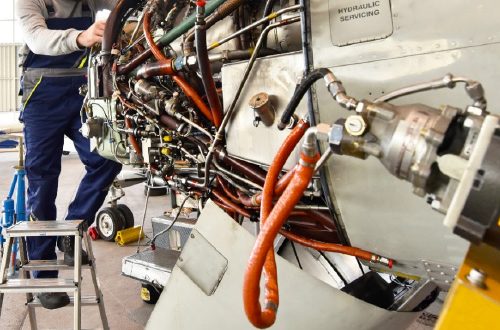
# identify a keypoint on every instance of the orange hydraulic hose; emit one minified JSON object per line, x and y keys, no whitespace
{"x":278,"y":189}
{"x":258,"y":317}
{"x":165,"y":67}
{"x":283,"y":182}
{"x":263,"y":318}
{"x":193,"y":95}
{"x":321,"y":246}
{"x":158,"y":54}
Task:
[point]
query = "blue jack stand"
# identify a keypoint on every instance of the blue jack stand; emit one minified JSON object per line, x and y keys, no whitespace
{"x":14,"y":210}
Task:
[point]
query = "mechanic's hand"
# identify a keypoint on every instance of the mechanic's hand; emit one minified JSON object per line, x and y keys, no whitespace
{"x":92,"y":35}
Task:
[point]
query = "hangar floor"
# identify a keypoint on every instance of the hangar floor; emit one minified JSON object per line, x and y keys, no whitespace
{"x":124,"y":307}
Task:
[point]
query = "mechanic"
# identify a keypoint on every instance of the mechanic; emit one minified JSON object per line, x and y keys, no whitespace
{"x":58,"y":34}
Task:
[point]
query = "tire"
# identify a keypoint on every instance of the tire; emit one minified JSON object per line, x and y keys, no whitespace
{"x":127,"y":215}
{"x":109,"y":221}
{"x":150,"y":294}
{"x":155,"y":191}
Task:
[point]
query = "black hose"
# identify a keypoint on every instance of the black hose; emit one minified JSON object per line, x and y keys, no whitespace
{"x":300,"y":91}
{"x":111,"y":33}
{"x":204,"y":66}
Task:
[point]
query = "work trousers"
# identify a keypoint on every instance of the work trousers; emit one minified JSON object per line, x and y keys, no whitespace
{"x":52,"y":112}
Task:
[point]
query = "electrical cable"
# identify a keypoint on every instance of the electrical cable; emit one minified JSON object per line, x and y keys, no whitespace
{"x":296,"y":255}
{"x":173,"y":221}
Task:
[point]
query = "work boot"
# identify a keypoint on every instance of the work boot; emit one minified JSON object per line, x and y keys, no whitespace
{"x":53,"y":300}
{"x":68,"y":247}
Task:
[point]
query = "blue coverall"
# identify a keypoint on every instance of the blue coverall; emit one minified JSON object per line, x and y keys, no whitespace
{"x":51,"y":111}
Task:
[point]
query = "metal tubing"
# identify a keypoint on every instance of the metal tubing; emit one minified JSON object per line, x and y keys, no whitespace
{"x":254,"y":25}
{"x":248,"y":69}
{"x":187,"y":24}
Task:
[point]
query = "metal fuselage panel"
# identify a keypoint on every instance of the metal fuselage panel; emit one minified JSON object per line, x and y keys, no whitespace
{"x":429,"y":39}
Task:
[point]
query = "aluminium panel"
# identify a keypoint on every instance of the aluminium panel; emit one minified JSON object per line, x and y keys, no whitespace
{"x":277,"y":76}
{"x":305,"y":301}
{"x":430,"y":39}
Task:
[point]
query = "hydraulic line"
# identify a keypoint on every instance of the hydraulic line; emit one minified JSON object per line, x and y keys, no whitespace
{"x":265,"y":317}
{"x":251,"y":171}
{"x":111,"y":33}
{"x":252,"y":307}
{"x":334,"y":86}
{"x":232,"y":107}
{"x":299,"y":93}
{"x":262,"y":21}
{"x":204,"y":65}
{"x":194,"y":96}
{"x":227,"y":190}
{"x":166,"y":39}
{"x":186,"y":88}
{"x":338,"y":248}
{"x":132,"y":139}
{"x":226,"y":9}
{"x":229,"y":203}
{"x":187,"y":24}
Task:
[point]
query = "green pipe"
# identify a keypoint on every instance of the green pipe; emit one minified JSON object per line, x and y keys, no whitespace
{"x":187,"y":24}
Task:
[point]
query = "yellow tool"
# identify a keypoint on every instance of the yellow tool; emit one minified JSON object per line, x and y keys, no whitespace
{"x":129,"y":235}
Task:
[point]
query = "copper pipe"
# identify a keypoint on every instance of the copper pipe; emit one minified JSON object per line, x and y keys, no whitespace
{"x":132,"y":139}
{"x":229,"y":203}
{"x":227,"y":189}
{"x":134,"y":63}
{"x":169,"y":122}
{"x":224,"y":207}
{"x":254,"y":173}
{"x":247,"y":201}
{"x":155,"y":69}
{"x":166,"y":65}
{"x":265,"y":317}
{"x":204,"y":64}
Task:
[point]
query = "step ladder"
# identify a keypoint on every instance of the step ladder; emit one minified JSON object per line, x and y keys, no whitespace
{"x":27,"y":285}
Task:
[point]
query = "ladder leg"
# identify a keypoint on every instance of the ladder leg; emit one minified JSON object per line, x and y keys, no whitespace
{"x":26,"y":275}
{"x":97,"y":287}
{"x":3,"y":268}
{"x":77,"y":325}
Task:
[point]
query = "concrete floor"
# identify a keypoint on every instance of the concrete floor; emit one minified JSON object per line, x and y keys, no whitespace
{"x":124,"y":307}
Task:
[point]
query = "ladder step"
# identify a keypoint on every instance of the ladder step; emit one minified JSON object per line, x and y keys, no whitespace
{"x":86,"y":301}
{"x":45,"y":228}
{"x":35,"y":285}
{"x":48,"y":265}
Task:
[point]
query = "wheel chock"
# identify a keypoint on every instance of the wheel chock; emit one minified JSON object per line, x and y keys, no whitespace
{"x":129,"y":235}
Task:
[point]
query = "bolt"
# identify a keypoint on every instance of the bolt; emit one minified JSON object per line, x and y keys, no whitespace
{"x":355,"y":125}
{"x":192,"y":235}
{"x":477,"y":277}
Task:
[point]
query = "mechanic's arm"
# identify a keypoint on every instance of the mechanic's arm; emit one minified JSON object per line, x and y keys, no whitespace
{"x":43,"y":41}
